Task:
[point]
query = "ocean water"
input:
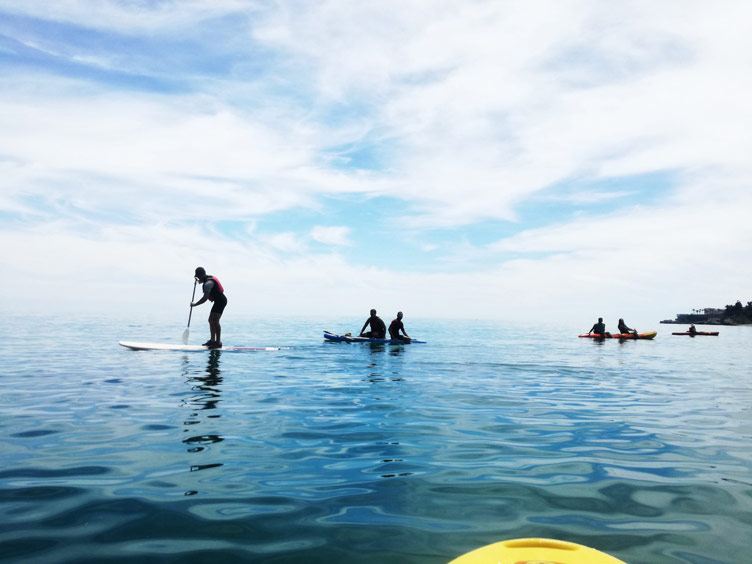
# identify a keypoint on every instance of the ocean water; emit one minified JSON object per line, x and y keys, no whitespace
{"x":339,"y":453}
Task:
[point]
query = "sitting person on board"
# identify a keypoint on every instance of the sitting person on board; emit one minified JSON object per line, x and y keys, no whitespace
{"x":599,"y":329}
{"x":214,"y":292}
{"x":378,"y":327}
{"x":624,"y":330}
{"x":692,"y":330}
{"x":395,"y":327}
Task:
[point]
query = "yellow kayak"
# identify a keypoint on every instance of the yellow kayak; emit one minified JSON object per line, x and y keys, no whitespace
{"x":536,"y":551}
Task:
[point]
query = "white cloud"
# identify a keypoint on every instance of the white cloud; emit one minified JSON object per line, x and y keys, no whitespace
{"x":331,"y":235}
{"x":470,"y":110}
{"x":124,"y":17}
{"x":284,"y":242}
{"x":487,"y":104}
{"x":481,"y":105}
{"x":153,"y":156}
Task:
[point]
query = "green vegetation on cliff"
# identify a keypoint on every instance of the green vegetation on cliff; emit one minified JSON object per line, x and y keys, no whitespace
{"x":736,"y":314}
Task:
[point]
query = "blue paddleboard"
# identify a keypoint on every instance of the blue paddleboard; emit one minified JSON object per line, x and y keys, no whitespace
{"x":350,"y":339}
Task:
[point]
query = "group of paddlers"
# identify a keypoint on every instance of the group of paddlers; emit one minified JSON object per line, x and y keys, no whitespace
{"x":215,"y":293}
{"x":599,"y":328}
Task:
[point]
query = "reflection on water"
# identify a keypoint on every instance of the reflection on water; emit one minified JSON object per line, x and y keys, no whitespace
{"x":202,"y":404}
{"x":385,"y":362}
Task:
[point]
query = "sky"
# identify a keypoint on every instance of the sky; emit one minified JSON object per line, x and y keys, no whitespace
{"x":547,"y":161}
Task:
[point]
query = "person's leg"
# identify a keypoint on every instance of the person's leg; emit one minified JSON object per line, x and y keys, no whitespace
{"x":218,"y":329}
{"x":210,"y":342}
{"x":211,"y":330}
{"x":216,"y":313}
{"x":215,"y":328}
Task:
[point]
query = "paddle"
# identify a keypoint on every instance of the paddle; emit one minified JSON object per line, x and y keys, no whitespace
{"x":188,"y":329}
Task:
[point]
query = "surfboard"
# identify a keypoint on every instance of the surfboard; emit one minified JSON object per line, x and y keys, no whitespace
{"x":536,"y":551}
{"x":187,"y":348}
{"x":350,"y":339}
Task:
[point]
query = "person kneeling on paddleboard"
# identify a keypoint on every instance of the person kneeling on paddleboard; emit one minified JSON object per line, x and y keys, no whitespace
{"x":395,"y":327}
{"x":214,"y":292}
{"x":378,"y":327}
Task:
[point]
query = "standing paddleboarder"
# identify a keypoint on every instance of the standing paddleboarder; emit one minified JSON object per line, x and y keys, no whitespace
{"x":214,"y":292}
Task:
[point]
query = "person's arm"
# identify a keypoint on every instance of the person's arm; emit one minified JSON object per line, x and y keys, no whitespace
{"x":365,"y":325}
{"x":207,"y":292}
{"x":403,"y":331}
{"x":202,"y":300}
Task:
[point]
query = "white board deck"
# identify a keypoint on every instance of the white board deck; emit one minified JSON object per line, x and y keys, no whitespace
{"x":186,"y":348}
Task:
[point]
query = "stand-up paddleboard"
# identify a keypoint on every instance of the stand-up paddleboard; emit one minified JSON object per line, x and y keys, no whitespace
{"x":536,"y":551}
{"x":623,"y":336}
{"x":188,"y":348}
{"x":349,"y":339}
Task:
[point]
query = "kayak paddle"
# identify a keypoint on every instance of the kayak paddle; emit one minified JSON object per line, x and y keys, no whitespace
{"x":188,"y":329}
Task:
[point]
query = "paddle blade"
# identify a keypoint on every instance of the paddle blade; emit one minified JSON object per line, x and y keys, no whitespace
{"x":185,"y":335}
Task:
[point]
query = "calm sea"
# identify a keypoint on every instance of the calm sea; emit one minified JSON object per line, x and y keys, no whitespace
{"x":340,"y":453}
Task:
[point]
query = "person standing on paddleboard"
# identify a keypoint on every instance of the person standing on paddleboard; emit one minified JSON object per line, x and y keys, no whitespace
{"x":395,"y":327}
{"x":214,"y":292}
{"x":378,"y":327}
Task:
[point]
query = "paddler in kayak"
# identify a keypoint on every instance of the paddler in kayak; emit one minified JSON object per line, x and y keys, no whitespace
{"x":395,"y":327}
{"x":378,"y":327}
{"x":214,"y":292}
{"x":599,"y":329}
{"x":624,"y":330}
{"x":692,"y":330}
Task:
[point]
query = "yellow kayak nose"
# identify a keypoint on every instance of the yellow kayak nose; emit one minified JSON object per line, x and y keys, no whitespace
{"x":536,"y":551}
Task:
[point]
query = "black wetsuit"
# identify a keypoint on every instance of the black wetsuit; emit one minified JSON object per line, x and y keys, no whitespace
{"x":378,"y":328}
{"x":394,"y":329}
{"x":216,"y":295}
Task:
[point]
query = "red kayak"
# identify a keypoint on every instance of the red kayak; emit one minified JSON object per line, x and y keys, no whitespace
{"x":649,"y":335}
{"x":708,"y":333}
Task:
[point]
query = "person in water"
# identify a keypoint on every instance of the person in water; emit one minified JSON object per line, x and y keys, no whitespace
{"x":623,"y":329}
{"x":395,"y":327}
{"x":378,"y":327}
{"x":599,"y":328}
{"x":214,"y":292}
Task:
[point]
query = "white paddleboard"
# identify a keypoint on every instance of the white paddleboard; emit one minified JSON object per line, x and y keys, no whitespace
{"x":187,"y":348}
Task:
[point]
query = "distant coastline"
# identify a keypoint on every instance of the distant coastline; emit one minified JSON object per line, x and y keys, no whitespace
{"x":736,"y":314}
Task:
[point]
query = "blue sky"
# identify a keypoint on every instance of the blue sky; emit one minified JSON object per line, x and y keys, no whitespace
{"x":515,"y":160}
